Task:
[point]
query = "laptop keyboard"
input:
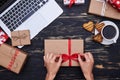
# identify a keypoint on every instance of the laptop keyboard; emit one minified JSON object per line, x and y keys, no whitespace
{"x":21,"y":12}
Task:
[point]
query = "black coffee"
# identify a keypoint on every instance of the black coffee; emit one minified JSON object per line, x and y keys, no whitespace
{"x":109,"y":32}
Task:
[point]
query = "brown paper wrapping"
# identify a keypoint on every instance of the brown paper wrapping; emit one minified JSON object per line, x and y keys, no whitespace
{"x":96,"y":8}
{"x":6,"y":56}
{"x":61,"y":47}
{"x":20,"y":38}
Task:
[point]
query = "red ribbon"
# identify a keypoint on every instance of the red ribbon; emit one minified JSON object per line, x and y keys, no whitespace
{"x":66,"y":57}
{"x":71,"y":3}
{"x":12,"y":61}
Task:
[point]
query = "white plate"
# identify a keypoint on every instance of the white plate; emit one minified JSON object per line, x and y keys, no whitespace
{"x":106,"y":42}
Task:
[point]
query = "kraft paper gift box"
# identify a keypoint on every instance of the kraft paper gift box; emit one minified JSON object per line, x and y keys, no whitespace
{"x":12,"y":58}
{"x":67,"y":2}
{"x":69,"y":49}
{"x":102,"y":8}
{"x":20,"y":38}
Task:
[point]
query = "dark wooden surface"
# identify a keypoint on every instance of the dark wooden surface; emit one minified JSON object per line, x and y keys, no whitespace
{"x":68,"y":25}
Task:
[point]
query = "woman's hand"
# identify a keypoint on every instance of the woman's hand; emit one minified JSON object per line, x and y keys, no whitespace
{"x":52,"y":63}
{"x":86,"y":65}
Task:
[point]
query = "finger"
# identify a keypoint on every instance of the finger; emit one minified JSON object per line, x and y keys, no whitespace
{"x":50,"y":56}
{"x":60,"y":60}
{"x":87,"y":57}
{"x":44,"y":58}
{"x":47,"y":55}
{"x":90,"y":56}
{"x":83,"y":58}
{"x":57,"y":58}
{"x":54,"y":58}
{"x":81,"y":53}
{"x":80,"y":60}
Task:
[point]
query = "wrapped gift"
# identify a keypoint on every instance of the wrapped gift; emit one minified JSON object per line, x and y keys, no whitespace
{"x":115,"y":4}
{"x":12,"y":58}
{"x":69,"y":49}
{"x":103,"y":8}
{"x":20,"y":38}
{"x":3,"y":37}
{"x":71,"y":2}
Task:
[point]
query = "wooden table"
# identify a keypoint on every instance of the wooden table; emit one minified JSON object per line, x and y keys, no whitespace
{"x":69,"y":25}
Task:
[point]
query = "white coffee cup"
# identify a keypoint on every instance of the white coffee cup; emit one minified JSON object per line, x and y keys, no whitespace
{"x":109,"y":33}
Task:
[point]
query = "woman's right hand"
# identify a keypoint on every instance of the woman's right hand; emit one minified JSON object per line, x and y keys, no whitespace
{"x":86,"y":65}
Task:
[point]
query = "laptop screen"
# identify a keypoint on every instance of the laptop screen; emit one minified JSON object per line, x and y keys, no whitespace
{"x":5,"y":4}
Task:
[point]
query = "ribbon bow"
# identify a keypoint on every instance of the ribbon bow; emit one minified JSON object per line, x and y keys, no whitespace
{"x":71,"y":3}
{"x":68,"y":56}
{"x":15,"y":38}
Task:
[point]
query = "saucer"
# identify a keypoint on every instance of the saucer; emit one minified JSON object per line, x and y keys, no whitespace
{"x":106,"y":42}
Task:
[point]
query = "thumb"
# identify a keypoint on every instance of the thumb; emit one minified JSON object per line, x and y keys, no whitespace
{"x":60,"y":60}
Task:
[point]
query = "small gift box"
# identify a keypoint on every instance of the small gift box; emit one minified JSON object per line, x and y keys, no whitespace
{"x":71,"y":2}
{"x":103,"y":8}
{"x":12,"y":58}
{"x":69,"y":49}
{"x":20,"y":38}
{"x":3,"y":37}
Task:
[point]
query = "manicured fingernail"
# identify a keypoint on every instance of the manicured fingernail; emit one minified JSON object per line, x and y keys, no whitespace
{"x":57,"y":59}
{"x":82,"y":57}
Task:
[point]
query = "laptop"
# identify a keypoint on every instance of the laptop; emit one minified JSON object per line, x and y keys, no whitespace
{"x":27,"y":14}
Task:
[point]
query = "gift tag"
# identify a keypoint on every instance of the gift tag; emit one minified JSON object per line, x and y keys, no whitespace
{"x":3,"y":37}
{"x":12,"y":58}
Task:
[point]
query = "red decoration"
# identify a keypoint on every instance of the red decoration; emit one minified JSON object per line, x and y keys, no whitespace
{"x":71,"y":3}
{"x":12,"y":62}
{"x":115,"y":4}
{"x":68,"y":56}
{"x":3,"y":37}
